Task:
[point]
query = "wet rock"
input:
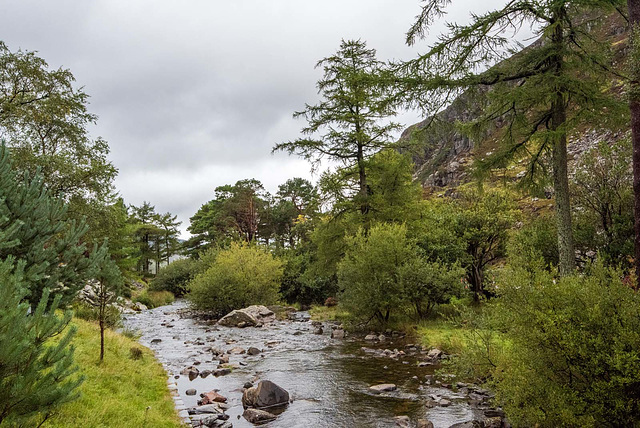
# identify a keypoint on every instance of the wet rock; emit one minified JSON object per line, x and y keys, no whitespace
{"x":236,"y":351}
{"x":243,"y":324}
{"x":318,"y":331}
{"x":256,"y":315}
{"x":423,"y":423}
{"x":337,"y":334}
{"x":434,"y":354}
{"x":371,"y":338}
{"x":492,"y":413}
{"x":205,"y":373}
{"x":247,"y":385}
{"x":494,"y":422}
{"x":155,"y":341}
{"x":211,"y":397}
{"x":297,"y":333}
{"x":402,"y":421}
{"x":382,"y":338}
{"x":265,"y":394}
{"x":444,"y":402}
{"x":468,"y":424}
{"x":221,"y":372}
{"x":257,"y":416}
{"x":224,"y":359}
{"x":384,"y":387}
{"x":207,"y":409}
{"x":191,"y":391}
{"x":253,"y":351}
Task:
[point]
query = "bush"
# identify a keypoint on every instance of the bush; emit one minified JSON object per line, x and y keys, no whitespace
{"x":535,"y":240}
{"x":573,"y":349}
{"x":242,"y":275}
{"x":175,"y":277}
{"x":153,"y":299}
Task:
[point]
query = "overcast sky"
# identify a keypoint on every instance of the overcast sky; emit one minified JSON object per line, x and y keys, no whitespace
{"x":193,"y":94}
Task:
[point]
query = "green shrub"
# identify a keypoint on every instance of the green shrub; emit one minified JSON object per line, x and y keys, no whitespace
{"x":573,"y":349}
{"x":535,"y":240}
{"x":153,"y":299}
{"x":174,"y":277}
{"x":242,"y":275}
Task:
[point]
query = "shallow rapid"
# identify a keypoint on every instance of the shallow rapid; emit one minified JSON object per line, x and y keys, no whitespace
{"x":327,"y":379}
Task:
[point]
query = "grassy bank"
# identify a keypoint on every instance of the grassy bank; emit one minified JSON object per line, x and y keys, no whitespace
{"x":119,"y":392}
{"x":437,"y":333}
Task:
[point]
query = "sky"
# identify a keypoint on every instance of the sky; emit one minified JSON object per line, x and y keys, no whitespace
{"x":193,"y":94}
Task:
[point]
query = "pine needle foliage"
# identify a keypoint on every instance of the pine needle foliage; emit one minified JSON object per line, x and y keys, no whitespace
{"x":536,"y":97}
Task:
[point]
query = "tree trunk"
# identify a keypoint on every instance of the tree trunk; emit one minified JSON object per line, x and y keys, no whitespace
{"x":560,"y":175}
{"x":475,"y":279}
{"x":101,"y":332}
{"x":362,"y":182}
{"x":634,"y":106}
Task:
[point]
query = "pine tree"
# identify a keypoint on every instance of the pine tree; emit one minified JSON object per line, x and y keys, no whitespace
{"x":106,"y":284}
{"x":539,"y":94}
{"x":37,"y":232}
{"x":37,"y":372}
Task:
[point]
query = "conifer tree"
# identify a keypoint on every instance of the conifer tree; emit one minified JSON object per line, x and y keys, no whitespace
{"x":37,"y":372}
{"x":37,"y":232}
{"x":538,"y":95}
{"x":106,"y":284}
{"x":348,"y":125}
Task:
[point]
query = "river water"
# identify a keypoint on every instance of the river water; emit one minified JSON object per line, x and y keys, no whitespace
{"x":327,"y":379}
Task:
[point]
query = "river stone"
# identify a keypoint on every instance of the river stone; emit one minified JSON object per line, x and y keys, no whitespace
{"x":371,"y":338}
{"x":318,"y":331}
{"x":154,"y":341}
{"x":434,"y":354}
{"x":402,"y":421}
{"x":207,"y":408}
{"x":337,"y":334}
{"x":468,"y":424}
{"x":255,"y":315}
{"x":423,"y":423}
{"x":235,"y":318}
{"x":256,"y":416}
{"x":236,"y":351}
{"x":384,"y":387}
{"x":494,"y":422}
{"x":253,"y":351}
{"x":264,"y":395}
{"x":190,"y":391}
{"x":222,"y":372}
{"x":211,"y":397}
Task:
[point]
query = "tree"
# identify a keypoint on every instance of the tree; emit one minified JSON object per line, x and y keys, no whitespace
{"x":602,"y":190}
{"x":538,"y":95}
{"x":105,"y":286}
{"x":37,"y":371}
{"x":242,"y":275}
{"x":347,"y":125}
{"x":236,"y":213}
{"x":634,"y":107}
{"x":38,"y":232}
{"x":369,"y":274}
{"x":44,"y":119}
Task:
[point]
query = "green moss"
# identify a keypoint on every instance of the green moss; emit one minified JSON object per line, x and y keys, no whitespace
{"x":119,"y":392}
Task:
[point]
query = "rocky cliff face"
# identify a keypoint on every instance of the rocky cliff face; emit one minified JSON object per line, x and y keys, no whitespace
{"x":444,"y":154}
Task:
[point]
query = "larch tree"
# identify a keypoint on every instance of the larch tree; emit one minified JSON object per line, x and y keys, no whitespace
{"x":351,"y":122}
{"x":538,"y":95}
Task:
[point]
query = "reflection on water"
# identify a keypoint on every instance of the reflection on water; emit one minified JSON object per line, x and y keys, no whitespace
{"x":327,"y":379}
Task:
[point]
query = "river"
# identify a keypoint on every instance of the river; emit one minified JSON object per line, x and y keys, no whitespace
{"x":328,"y":379}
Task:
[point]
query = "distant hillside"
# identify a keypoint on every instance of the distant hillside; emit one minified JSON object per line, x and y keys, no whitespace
{"x":445,"y":155}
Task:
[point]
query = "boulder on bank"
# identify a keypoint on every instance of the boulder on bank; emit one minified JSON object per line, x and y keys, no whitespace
{"x":257,"y":416}
{"x":253,"y":316}
{"x":264,"y":395}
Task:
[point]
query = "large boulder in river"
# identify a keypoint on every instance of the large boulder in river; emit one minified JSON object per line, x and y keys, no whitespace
{"x":264,"y":395}
{"x":254,"y":316}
